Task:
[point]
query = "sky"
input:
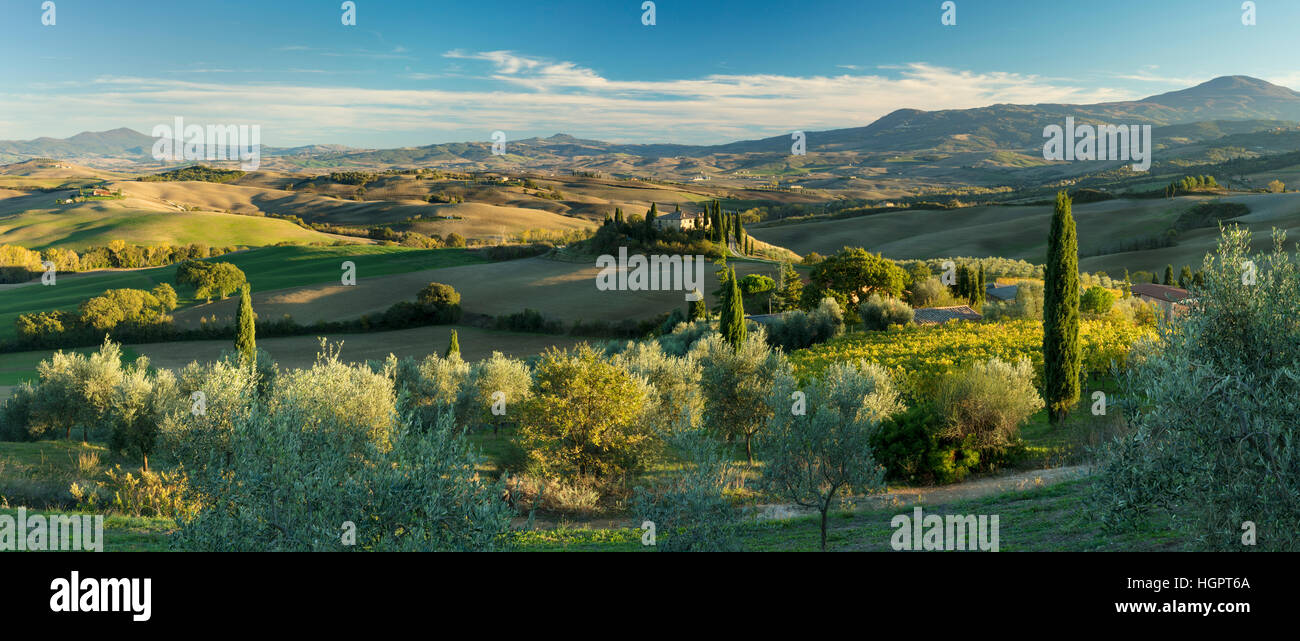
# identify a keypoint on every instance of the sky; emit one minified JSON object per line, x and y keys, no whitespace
{"x":418,"y":72}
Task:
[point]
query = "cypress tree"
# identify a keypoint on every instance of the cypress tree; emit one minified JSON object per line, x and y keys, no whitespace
{"x":1185,"y":277}
{"x":789,"y":290}
{"x":697,"y":310}
{"x":979,"y":286}
{"x":650,"y":221}
{"x":732,"y":323}
{"x":1169,"y":275}
{"x":453,"y":346}
{"x":1061,"y":356}
{"x":246,"y":336}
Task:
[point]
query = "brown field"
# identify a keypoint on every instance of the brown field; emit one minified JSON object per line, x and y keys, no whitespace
{"x":565,"y":291}
{"x":418,"y":342}
{"x":1021,"y":232}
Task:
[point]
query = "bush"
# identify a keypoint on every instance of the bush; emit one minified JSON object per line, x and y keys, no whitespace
{"x":797,"y":330}
{"x":441,"y":301}
{"x":910,"y":447}
{"x":293,"y":486}
{"x":674,"y":380}
{"x":1096,"y":300}
{"x":354,"y":405}
{"x":928,"y":292}
{"x":161,"y":494}
{"x":690,"y":511}
{"x":881,"y":313}
{"x":494,"y":391}
{"x":529,"y":320}
{"x":985,"y":402}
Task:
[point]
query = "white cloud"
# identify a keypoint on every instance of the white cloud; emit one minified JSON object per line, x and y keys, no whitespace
{"x":525,"y":95}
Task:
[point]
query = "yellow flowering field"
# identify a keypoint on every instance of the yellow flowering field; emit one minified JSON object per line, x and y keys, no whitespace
{"x":915,"y":355}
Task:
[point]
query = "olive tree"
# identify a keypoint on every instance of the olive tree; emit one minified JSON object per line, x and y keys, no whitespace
{"x":817,"y":439}
{"x":1213,"y":410}
{"x":735,"y":384}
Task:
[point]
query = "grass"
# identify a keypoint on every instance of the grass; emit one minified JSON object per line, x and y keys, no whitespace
{"x":266,"y":268}
{"x":1052,"y":518}
{"x":123,"y":533}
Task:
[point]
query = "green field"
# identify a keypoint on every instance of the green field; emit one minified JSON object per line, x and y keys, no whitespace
{"x":267,"y":268}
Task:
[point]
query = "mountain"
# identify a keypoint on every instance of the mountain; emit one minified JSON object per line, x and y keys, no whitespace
{"x":994,"y":140}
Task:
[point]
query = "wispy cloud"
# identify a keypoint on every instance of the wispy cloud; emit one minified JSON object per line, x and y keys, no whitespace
{"x":526,"y":95}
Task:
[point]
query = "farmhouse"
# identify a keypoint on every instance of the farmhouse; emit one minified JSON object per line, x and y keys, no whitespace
{"x":680,"y":220}
{"x":100,"y":192}
{"x":941,"y":315}
{"x":1172,"y":300}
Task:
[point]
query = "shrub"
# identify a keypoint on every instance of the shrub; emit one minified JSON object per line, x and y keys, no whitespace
{"x":987,"y":401}
{"x":162,"y":494}
{"x":353,"y":404}
{"x":72,"y":390}
{"x":1096,"y":300}
{"x":441,"y":301}
{"x":910,"y":447}
{"x":674,"y":380}
{"x":881,"y":313}
{"x":293,"y":486}
{"x":494,"y":391}
{"x":797,"y":330}
{"x":690,"y":511}
{"x":927,"y":292}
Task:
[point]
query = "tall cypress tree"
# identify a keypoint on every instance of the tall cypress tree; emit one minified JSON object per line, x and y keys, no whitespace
{"x":453,"y":346}
{"x":650,"y":221}
{"x":980,"y":290}
{"x":732,"y":323}
{"x":1169,"y":275}
{"x":789,"y":290}
{"x":246,"y":336}
{"x":1061,"y":355}
{"x":698,"y":309}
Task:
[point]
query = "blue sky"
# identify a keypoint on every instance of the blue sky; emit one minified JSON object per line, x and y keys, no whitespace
{"x":424,"y":71}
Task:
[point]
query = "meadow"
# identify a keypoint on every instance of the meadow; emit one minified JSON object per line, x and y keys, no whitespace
{"x":267,"y":268}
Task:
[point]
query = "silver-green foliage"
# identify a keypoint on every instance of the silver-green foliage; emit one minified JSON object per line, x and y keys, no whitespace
{"x":879,"y":313}
{"x":984,"y":403}
{"x":292,"y":487}
{"x":1215,"y":421}
{"x":690,"y":511}
{"x":675,"y":396}
{"x":818,"y":445}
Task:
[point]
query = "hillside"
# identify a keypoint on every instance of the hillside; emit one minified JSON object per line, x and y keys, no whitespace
{"x":1021,"y":231}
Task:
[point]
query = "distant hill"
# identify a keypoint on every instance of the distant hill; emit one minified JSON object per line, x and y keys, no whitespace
{"x":986,"y":145}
